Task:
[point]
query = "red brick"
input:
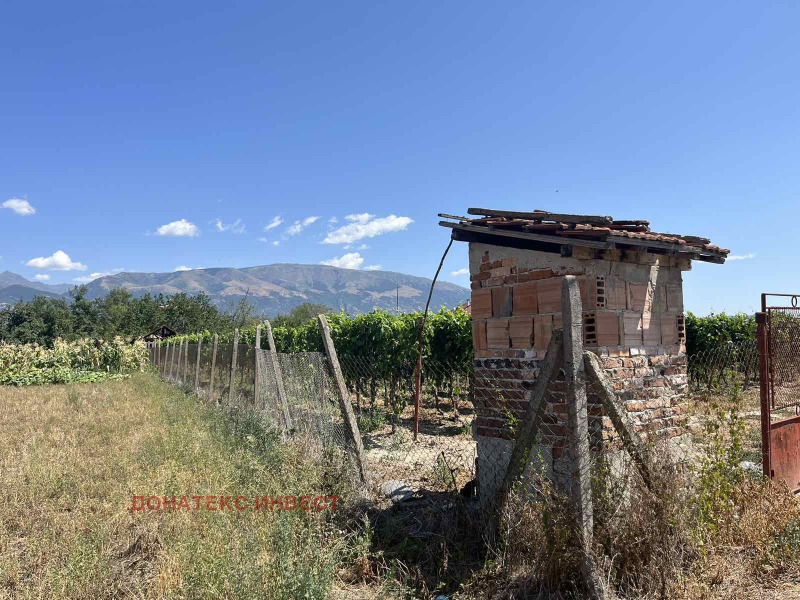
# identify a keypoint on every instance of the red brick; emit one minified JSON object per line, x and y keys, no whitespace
{"x":675,"y":298}
{"x":637,"y":296}
{"x":475,"y":285}
{"x":501,"y":271}
{"x":549,"y":295}
{"x":479,"y":341}
{"x":616,"y":299}
{"x":521,"y":332}
{"x":669,"y":330}
{"x":497,"y":333}
{"x":485,"y":257}
{"x":651,"y":328}
{"x":525,"y":299}
{"x":586,"y":298}
{"x":482,"y":276}
{"x":542,"y":331}
{"x":481,"y":304}
{"x":607,"y":328}
{"x":632,"y":327}
{"x":501,"y":302}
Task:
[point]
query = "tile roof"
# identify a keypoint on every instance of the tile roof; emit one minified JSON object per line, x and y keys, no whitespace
{"x":584,"y":230}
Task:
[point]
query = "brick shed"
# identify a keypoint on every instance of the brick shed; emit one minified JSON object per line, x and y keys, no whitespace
{"x":632,"y":301}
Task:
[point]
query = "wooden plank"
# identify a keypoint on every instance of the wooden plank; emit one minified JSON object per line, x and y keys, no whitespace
{"x":524,"y":235}
{"x":542,"y":216}
{"x":276,"y":369}
{"x":351,"y":425}
{"x":618,"y":415}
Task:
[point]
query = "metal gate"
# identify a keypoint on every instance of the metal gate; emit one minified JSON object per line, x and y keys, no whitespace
{"x":779,"y":360}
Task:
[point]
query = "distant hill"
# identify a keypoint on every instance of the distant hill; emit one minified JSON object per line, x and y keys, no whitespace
{"x":7,"y":278}
{"x":11,"y":294}
{"x":276,"y":289}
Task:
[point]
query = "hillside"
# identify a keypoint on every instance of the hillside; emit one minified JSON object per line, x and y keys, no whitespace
{"x":276,"y":289}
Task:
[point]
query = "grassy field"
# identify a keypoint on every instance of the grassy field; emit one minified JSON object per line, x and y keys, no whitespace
{"x":73,"y":458}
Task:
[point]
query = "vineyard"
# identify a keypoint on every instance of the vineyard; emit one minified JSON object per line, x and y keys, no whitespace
{"x":81,"y":361}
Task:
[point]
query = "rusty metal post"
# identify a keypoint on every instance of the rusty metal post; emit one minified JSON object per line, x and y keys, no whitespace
{"x":418,"y":383}
{"x":763,"y":376}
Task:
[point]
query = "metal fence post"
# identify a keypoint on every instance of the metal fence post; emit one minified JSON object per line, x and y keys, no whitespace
{"x":351,"y":425}
{"x":213,"y":367}
{"x":197,"y":367}
{"x":764,"y":379}
{"x":580,"y":484}
{"x":276,"y":367}
{"x":234,"y":358}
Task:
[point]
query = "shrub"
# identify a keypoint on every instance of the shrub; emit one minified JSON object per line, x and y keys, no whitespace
{"x":79,"y":361}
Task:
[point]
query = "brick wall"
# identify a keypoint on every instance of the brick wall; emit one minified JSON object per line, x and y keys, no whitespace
{"x":633,"y":319}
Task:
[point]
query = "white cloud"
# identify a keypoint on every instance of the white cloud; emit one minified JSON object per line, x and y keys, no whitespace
{"x":359,"y":217}
{"x":236,"y":227}
{"x":352,"y":260}
{"x":58,"y":261}
{"x":298,"y":226}
{"x":93,"y":276}
{"x":333,"y":220}
{"x":742,"y":256}
{"x":180,"y":228}
{"x":373,"y":268}
{"x":365,"y":225}
{"x":41,"y":277}
{"x":460,"y":272}
{"x":181,"y":268}
{"x":276,"y":243}
{"x":276,"y":222}
{"x":19,"y":206}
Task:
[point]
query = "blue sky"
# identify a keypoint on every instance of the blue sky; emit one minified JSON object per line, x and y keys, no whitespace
{"x":118,"y":119}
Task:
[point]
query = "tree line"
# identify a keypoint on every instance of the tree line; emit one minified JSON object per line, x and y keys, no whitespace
{"x":380,"y":334}
{"x":43,"y":320}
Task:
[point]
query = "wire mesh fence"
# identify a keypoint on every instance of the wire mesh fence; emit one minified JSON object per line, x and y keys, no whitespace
{"x":434,"y":446}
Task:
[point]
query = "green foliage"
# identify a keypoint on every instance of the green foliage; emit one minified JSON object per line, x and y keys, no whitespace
{"x":43,"y":320}
{"x":709,"y":333}
{"x":81,"y":361}
{"x":719,"y":473}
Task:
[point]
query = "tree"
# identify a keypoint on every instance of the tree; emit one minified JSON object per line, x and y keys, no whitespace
{"x":301,"y":314}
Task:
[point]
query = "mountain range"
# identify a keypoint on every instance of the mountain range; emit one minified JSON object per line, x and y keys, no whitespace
{"x":273,"y":289}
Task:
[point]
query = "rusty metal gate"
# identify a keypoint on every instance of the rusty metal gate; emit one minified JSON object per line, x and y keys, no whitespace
{"x":779,"y":360}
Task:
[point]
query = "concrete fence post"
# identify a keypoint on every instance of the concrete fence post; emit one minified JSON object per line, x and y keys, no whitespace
{"x":213,"y":366}
{"x":256,"y":373}
{"x":171,"y":360}
{"x":197,"y":367}
{"x":579,"y":452}
{"x":234,"y":358}
{"x":276,"y":368}
{"x":185,"y":362}
{"x":351,"y":425}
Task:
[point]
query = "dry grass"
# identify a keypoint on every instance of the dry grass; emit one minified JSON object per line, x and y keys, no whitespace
{"x":73,"y":457}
